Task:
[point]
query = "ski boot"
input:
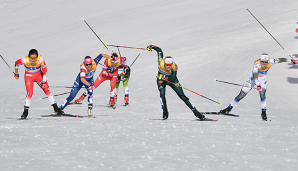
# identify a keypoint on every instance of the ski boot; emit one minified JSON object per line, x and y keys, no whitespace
{"x":263,"y":115}
{"x":126,"y":100}
{"x":226,"y":110}
{"x":89,"y":111}
{"x":112,"y":104}
{"x":165,"y":113}
{"x":80,"y":99}
{"x":198,"y":114}
{"x":57,"y":110}
{"x":25,"y":113}
{"x":115,"y":99}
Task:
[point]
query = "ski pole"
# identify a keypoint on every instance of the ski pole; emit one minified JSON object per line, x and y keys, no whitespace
{"x":96,"y":34}
{"x":126,"y":47}
{"x":7,"y":64}
{"x":269,"y":33}
{"x":192,"y":91}
{"x":60,"y":94}
{"x":64,"y":87}
{"x":232,"y":83}
{"x":135,"y":59}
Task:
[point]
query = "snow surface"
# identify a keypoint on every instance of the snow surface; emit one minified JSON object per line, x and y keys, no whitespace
{"x":208,"y":40}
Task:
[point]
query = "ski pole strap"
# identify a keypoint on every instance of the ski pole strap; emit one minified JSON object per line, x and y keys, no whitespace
{"x":6,"y":64}
{"x":193,"y":92}
{"x":125,"y":47}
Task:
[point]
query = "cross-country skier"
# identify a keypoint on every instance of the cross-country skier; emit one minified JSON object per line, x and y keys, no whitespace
{"x":258,"y":77}
{"x":109,"y":72}
{"x":123,"y":75}
{"x":167,"y":72}
{"x":85,"y":78}
{"x":35,"y":71}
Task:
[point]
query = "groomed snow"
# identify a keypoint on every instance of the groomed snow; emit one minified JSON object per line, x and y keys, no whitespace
{"x":207,"y":39}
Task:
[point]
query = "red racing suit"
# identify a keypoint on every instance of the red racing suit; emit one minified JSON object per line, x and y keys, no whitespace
{"x":110,"y":72}
{"x":34,"y":72}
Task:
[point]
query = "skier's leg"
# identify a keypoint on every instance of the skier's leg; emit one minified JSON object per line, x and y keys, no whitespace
{"x":74,"y":91}
{"x":181,"y":94}
{"x":90,"y":93}
{"x":161,"y":85}
{"x":186,"y":100}
{"x":113,"y":80}
{"x":45,"y":89}
{"x":263,"y":83}
{"x":126,"y":90}
{"x":29,"y":81}
{"x":90,"y":99}
{"x":117,"y":85}
{"x":249,"y":83}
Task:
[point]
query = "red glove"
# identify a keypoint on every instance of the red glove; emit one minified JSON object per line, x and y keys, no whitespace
{"x":259,"y":87}
{"x":43,"y":84}
{"x":16,"y":76}
{"x":91,"y":87}
{"x":294,"y":61}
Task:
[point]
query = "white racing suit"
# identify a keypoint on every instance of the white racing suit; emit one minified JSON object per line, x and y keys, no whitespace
{"x":258,"y":77}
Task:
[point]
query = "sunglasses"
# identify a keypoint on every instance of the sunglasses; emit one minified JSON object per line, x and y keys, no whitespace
{"x":88,"y":64}
{"x":264,"y":62}
{"x":169,"y":64}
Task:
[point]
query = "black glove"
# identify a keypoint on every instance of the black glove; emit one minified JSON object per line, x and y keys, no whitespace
{"x":127,"y":71}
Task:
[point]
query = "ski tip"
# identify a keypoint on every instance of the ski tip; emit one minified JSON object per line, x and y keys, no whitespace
{"x":215,"y":79}
{"x":84,"y":19}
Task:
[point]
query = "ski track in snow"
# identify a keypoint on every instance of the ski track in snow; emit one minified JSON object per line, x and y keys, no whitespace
{"x":208,"y":40}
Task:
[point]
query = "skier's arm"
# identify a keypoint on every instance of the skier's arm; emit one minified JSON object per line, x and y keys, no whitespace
{"x":106,"y":56}
{"x":98,"y":58}
{"x":280,"y":60}
{"x":159,"y":52}
{"x":173,"y":76}
{"x":82,"y":75}
{"x":43,"y":69}
{"x":17,"y":63}
{"x":256,"y":73}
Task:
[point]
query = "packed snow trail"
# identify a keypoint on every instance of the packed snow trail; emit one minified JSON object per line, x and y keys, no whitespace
{"x":208,"y":40}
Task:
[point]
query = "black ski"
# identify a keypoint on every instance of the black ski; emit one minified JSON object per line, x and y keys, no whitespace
{"x":206,"y":119}
{"x":69,"y":115}
{"x":217,"y":113}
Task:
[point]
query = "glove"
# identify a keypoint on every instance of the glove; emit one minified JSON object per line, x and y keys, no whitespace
{"x":16,"y":76}
{"x":294,"y":61}
{"x":259,"y":87}
{"x":43,"y":84}
{"x":149,"y":48}
{"x":127,"y":71}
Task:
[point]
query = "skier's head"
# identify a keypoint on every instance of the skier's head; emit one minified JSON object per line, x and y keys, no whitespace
{"x":114,"y":58}
{"x":168,"y":62}
{"x":88,"y":62}
{"x":264,"y":59}
{"x":33,"y":54}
